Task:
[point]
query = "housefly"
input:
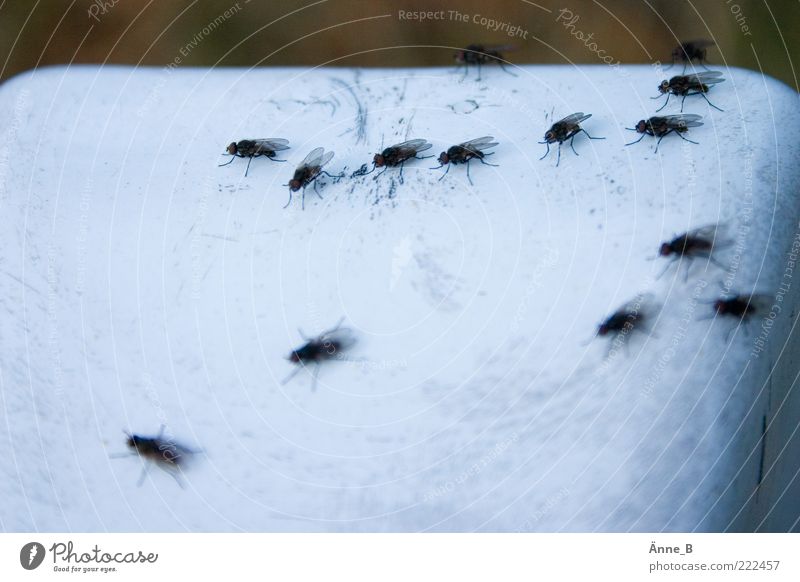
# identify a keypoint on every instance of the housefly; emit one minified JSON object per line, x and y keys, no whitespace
{"x":685,"y":85}
{"x":741,"y":307}
{"x":661,"y":127}
{"x":308,"y":171}
{"x":631,"y":317}
{"x":690,"y":51}
{"x":165,"y":453}
{"x":479,"y":55}
{"x":697,"y":243}
{"x":566,"y":129}
{"x":399,"y":154}
{"x":328,"y":345}
{"x":256,"y":148}
{"x":463,"y":153}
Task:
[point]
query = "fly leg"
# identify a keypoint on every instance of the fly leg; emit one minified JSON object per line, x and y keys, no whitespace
{"x":710,"y":103}
{"x":571,"y":143}
{"x":317,"y":191}
{"x":685,"y":138}
{"x":143,"y":476}
{"x":658,"y":143}
{"x":315,"y":378}
{"x":548,"y":149}
{"x":487,"y":163}
{"x":637,"y":141}
{"x":292,"y":375}
{"x":589,"y":136}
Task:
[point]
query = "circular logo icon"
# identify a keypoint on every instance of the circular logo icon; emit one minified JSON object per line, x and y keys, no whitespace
{"x":31,"y":555}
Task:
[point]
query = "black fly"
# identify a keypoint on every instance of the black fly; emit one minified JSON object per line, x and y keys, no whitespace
{"x":661,"y":127}
{"x":308,"y":171}
{"x":464,"y":152}
{"x":329,"y":345}
{"x":693,"y":50}
{"x":627,"y":319}
{"x":566,"y":129}
{"x":685,"y":85}
{"x":399,"y":154}
{"x":479,"y":55}
{"x":166,"y":454}
{"x":697,"y":243}
{"x":741,"y":307}
{"x":256,"y":148}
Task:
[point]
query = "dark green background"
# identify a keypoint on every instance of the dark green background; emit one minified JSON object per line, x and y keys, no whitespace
{"x":35,"y":33}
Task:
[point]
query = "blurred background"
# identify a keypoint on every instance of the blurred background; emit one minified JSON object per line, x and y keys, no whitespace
{"x":756,"y":34}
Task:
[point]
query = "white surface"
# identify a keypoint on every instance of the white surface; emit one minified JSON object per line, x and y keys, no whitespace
{"x":142,"y":284}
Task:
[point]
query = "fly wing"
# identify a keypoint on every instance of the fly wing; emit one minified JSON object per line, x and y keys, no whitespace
{"x":313,"y":158}
{"x":706,"y":77}
{"x":480,"y":143}
{"x":683,"y":120}
{"x":644,"y":303}
{"x":707,"y":231}
{"x":575,"y":118}
{"x":326,"y":157}
{"x":414,"y":145}
{"x":343,"y":336}
{"x":761,"y":304}
{"x":275,"y":144}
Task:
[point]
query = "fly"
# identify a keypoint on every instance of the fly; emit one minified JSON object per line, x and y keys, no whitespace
{"x":479,"y":55}
{"x":463,"y":153}
{"x":256,"y":148}
{"x":399,"y":154}
{"x":566,"y":129}
{"x":661,"y":127}
{"x":690,"y":51}
{"x":328,"y":345}
{"x":308,"y":171}
{"x":700,"y":242}
{"x":165,"y":453}
{"x":685,"y":85}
